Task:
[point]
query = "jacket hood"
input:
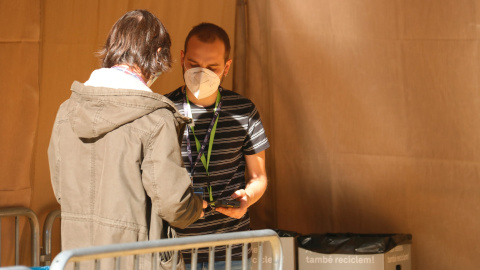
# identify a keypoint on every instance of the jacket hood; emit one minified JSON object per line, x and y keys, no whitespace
{"x":96,"y":111}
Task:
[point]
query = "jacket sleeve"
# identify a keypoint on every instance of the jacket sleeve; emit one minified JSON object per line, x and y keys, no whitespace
{"x":54,"y":161}
{"x":165,"y":178}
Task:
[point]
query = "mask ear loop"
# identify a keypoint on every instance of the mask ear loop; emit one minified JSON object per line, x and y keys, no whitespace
{"x":223,"y":72}
{"x":223,"y":75}
{"x":155,"y":77}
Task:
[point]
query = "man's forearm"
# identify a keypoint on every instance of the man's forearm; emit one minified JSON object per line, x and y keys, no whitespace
{"x":256,"y":188}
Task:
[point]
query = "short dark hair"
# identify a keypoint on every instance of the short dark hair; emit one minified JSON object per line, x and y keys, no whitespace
{"x":209,"y":32}
{"x":134,"y":40}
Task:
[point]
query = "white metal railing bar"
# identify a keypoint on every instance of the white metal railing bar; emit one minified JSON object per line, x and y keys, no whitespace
{"x":46,"y":257}
{"x":228,"y":258}
{"x":244,"y":258}
{"x":211,"y":257}
{"x":194,"y":258}
{"x":34,"y":228}
{"x":175,"y":245}
{"x":260,"y":255}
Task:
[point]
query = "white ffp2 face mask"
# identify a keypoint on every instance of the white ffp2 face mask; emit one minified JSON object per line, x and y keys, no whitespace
{"x":201,"y":82}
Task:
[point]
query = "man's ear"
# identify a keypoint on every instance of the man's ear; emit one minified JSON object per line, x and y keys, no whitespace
{"x":227,"y":67}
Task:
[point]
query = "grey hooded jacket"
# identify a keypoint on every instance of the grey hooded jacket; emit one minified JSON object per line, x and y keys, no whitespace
{"x":116,"y":167}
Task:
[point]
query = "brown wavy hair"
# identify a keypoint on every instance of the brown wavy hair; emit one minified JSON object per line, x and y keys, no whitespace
{"x":134,"y":40}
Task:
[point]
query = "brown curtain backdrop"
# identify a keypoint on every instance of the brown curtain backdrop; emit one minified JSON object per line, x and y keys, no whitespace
{"x":19,"y":86}
{"x":372,"y":110}
{"x":19,"y":53}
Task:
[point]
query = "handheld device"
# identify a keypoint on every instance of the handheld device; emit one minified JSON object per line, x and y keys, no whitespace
{"x":225,"y":203}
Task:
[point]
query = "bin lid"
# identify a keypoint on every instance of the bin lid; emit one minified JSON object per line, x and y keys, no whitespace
{"x":350,"y":243}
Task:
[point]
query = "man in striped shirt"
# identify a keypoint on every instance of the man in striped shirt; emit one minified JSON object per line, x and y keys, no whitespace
{"x":228,"y":134}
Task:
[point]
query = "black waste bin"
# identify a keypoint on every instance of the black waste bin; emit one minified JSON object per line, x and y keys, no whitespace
{"x":349,"y":251}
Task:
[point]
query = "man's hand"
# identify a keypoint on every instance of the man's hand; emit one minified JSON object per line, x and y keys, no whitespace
{"x":242,"y":197}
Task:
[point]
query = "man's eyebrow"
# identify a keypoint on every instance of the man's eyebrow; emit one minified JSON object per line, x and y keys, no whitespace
{"x":191,"y":60}
{"x":195,"y":62}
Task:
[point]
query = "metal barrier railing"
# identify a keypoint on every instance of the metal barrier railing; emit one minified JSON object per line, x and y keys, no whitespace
{"x":176,"y":245}
{"x":46,"y":257}
{"x":34,"y":228}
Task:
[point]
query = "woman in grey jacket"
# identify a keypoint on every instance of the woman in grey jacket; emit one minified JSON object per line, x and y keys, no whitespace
{"x":114,"y":154}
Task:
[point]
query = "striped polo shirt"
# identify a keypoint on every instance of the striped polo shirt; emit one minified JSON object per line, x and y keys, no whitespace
{"x":239,"y":132}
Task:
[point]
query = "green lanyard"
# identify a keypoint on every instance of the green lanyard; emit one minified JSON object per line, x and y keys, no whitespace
{"x":206,"y":161}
